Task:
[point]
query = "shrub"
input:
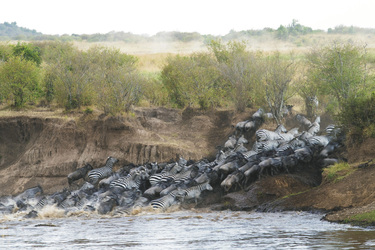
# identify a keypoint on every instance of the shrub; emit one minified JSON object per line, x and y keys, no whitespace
{"x":19,"y":80}
{"x":193,"y":80}
{"x":357,"y":117}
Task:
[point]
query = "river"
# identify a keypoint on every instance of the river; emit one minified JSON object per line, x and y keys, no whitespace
{"x":183,"y":230}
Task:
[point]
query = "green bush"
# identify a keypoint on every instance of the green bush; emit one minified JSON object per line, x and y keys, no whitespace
{"x":193,"y":81}
{"x":338,"y":71}
{"x":357,"y":117}
{"x":19,"y":80}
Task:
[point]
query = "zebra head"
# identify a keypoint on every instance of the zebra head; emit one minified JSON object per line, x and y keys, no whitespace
{"x":280,"y":129}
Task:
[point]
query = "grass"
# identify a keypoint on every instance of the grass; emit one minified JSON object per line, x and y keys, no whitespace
{"x":338,"y":172}
{"x":362,"y":219}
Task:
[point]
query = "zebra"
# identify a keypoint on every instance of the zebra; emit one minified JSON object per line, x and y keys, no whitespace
{"x":186,"y":174}
{"x":104,"y":183}
{"x":165,"y":201}
{"x":193,"y":192}
{"x":44,"y":201}
{"x":288,"y":148}
{"x":163,"y":176}
{"x":318,"y":141}
{"x":304,"y":136}
{"x":315,"y":126}
{"x":267,"y":135}
{"x":129,"y":182}
{"x":266,"y":146}
{"x":103,"y":172}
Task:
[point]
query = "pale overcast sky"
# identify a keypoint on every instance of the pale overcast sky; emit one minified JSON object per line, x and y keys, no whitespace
{"x":215,"y":17}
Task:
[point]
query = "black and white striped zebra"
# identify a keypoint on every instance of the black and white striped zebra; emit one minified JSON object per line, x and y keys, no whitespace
{"x":129,"y":182}
{"x":318,"y":141}
{"x":163,"y":176}
{"x":99,"y":173}
{"x":315,"y":126}
{"x":187,"y":174}
{"x":288,"y":148}
{"x":44,"y":201}
{"x":193,"y":192}
{"x":266,"y":146}
{"x":165,"y":201}
{"x":267,"y":135}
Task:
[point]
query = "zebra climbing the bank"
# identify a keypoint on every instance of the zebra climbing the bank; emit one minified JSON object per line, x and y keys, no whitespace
{"x":165,"y":201}
{"x":193,"y":192}
{"x":129,"y":182}
{"x":267,"y":135}
{"x":99,"y":173}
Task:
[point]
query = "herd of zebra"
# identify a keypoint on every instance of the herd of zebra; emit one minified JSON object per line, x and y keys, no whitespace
{"x":162,"y":185}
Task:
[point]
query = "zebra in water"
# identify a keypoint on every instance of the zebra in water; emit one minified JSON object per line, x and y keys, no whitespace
{"x":193,"y":192}
{"x":99,"y":173}
{"x":165,"y":201}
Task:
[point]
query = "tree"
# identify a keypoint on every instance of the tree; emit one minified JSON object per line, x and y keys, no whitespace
{"x":240,"y":70}
{"x":70,"y":76}
{"x":279,"y":74}
{"x":338,"y":70}
{"x":28,"y":52}
{"x":19,"y":80}
{"x":116,"y":79}
{"x":193,"y":80}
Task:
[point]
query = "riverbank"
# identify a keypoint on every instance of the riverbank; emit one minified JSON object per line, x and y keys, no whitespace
{"x":44,"y":147}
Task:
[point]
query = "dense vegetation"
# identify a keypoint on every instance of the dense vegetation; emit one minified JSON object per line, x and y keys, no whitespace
{"x":228,"y":74}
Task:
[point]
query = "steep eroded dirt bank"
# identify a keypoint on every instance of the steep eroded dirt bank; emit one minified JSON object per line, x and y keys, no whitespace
{"x":37,"y":150}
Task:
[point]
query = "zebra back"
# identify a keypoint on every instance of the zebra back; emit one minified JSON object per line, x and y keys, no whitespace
{"x":103,"y":172}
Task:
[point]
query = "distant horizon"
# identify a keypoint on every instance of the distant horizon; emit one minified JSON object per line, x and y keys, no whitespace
{"x":148,"y":17}
{"x":170,"y":31}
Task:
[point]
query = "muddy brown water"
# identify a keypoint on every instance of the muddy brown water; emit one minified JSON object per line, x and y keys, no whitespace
{"x":182,"y":230}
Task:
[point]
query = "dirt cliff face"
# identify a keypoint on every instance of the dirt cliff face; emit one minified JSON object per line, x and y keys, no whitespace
{"x":45,"y":150}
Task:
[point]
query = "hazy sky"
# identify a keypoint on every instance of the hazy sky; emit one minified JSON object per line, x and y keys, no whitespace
{"x":215,"y":17}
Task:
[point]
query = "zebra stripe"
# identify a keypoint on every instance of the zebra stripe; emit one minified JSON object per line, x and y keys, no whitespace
{"x":103,"y":172}
{"x":165,"y":201}
{"x":265,"y":146}
{"x":194,"y":192}
{"x":267,"y":135}
{"x":44,"y":201}
{"x":318,"y":141}
{"x":163,"y":176}
{"x":129,"y":182}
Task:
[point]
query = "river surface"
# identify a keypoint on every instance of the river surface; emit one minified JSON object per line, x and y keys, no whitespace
{"x":184,"y":230}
